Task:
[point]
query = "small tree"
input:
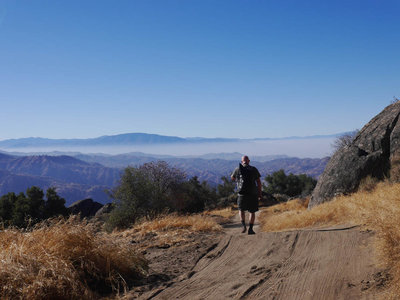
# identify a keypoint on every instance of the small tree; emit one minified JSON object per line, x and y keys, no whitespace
{"x":16,"y":210}
{"x":35,"y":202}
{"x":276,"y":182}
{"x":394,"y":100}
{"x":344,"y":140}
{"x":193,"y":196}
{"x":308,"y":184}
{"x":227,"y":187}
{"x":290,"y":185}
{"x":21,"y":211}
{"x":144,"y":191}
{"x":6,"y":206}
{"x":54,"y":205}
{"x":294,"y":186}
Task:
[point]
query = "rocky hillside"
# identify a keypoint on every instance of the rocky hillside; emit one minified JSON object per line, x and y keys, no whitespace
{"x":64,"y":168}
{"x":73,"y":178}
{"x":375,"y":152}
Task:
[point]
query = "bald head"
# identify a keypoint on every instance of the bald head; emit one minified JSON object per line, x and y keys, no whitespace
{"x":245,"y":160}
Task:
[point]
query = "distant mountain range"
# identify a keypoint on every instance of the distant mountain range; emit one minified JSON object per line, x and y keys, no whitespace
{"x":131,"y":139}
{"x":112,"y":140}
{"x":78,"y":176}
{"x":73,"y":178}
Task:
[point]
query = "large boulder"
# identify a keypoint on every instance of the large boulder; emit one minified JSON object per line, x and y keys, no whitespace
{"x":373,"y":152}
{"x":86,"y":208}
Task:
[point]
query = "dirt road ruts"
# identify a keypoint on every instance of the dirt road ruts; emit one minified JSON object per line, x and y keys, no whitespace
{"x":336,"y":263}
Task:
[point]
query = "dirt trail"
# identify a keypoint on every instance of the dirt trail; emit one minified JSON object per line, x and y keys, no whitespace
{"x":333,"y":263}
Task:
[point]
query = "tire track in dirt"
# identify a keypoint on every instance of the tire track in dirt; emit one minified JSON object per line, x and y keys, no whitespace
{"x":307,"y":264}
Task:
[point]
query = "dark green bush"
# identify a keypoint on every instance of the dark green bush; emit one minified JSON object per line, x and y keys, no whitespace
{"x":290,"y":185}
{"x":194,"y":196}
{"x":154,"y":188}
{"x":144,"y":191}
{"x":227,"y":188}
{"x":19,"y":210}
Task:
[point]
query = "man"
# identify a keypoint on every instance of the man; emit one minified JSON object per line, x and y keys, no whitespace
{"x":249,"y":191}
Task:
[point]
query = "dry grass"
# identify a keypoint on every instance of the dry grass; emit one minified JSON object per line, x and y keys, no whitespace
{"x":172,"y":221}
{"x":294,"y":214}
{"x":225,"y":213}
{"x":377,"y":209}
{"x":169,"y":230}
{"x":64,"y":260}
{"x":72,"y":259}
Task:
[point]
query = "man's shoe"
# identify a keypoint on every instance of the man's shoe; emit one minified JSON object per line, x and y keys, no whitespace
{"x":244,"y":230}
{"x":251,"y":231}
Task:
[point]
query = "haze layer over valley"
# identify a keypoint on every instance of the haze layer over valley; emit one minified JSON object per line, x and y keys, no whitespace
{"x":78,"y":173}
{"x":302,"y":147}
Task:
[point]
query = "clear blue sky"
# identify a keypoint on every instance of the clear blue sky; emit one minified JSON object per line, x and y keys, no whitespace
{"x":210,"y":68}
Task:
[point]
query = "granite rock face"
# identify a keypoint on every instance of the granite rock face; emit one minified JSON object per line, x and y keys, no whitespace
{"x":372,"y":153}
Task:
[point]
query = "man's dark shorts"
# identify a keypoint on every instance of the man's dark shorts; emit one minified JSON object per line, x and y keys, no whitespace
{"x":248,"y":202}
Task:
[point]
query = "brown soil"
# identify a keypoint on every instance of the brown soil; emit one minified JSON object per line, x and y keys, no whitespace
{"x":172,"y":263}
{"x":332,"y":263}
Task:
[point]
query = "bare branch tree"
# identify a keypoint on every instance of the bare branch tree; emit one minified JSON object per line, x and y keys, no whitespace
{"x":344,"y":140}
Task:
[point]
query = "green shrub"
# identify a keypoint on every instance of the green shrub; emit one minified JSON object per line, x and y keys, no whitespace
{"x":227,"y":188}
{"x":21,"y":210}
{"x":152,"y":189}
{"x":290,"y":185}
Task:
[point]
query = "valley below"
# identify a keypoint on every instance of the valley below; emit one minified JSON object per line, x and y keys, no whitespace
{"x":78,"y":176}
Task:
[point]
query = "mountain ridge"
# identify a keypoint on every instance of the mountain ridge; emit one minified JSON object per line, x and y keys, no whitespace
{"x":135,"y":139}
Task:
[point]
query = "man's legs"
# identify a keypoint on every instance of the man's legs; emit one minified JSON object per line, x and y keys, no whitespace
{"x":251,"y":222}
{"x":243,"y":220}
{"x":243,"y":206}
{"x":252,"y":217}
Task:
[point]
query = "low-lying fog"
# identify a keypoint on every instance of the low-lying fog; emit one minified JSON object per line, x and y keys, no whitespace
{"x":302,"y":148}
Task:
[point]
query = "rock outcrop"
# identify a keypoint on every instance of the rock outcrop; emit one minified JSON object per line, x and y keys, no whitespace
{"x":105,"y":210}
{"x":86,"y":208}
{"x":374,"y":150}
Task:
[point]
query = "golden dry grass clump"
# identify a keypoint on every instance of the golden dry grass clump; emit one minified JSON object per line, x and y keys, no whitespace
{"x":64,"y":259}
{"x":169,"y":222}
{"x":168,"y":230}
{"x":365,"y":207}
{"x":294,"y":215}
{"x":377,"y":209}
{"x":226,"y":213}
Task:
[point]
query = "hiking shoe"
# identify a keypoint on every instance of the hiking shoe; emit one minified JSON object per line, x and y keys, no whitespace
{"x":251,"y":231}
{"x":244,"y":230}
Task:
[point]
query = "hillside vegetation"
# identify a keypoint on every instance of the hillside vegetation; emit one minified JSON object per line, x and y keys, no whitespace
{"x":376,"y":208}
{"x":65,"y":260}
{"x":73,"y":259}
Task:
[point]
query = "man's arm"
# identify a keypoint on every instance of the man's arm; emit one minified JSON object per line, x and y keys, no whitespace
{"x":259,"y":187}
{"x":234,"y":174}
